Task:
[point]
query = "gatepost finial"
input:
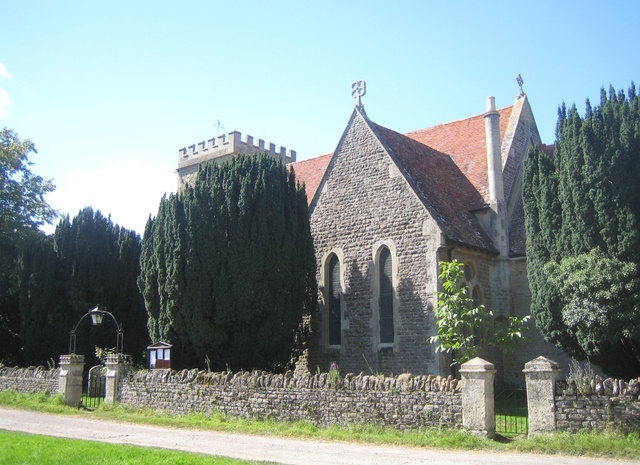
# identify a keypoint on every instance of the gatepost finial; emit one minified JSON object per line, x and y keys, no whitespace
{"x":520,"y":81}
{"x":358,"y":89}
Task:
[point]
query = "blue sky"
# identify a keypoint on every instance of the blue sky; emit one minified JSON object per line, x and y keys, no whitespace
{"x":109,"y":91}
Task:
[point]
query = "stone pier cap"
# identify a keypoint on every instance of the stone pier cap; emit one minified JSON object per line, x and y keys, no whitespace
{"x":541,"y":365}
{"x":477,"y":365}
{"x":71,"y":359}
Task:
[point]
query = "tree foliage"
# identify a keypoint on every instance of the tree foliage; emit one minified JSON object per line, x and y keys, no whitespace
{"x":22,"y":210}
{"x":228,"y":269}
{"x":88,"y":261}
{"x":463,"y":326}
{"x":582,"y":215}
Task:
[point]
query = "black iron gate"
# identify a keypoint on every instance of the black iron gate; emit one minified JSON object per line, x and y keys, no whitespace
{"x":94,"y":387}
{"x":512,"y":414}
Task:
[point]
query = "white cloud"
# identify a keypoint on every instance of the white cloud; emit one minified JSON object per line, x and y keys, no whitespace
{"x":130,"y":191}
{"x":4,"y":73}
{"x":4,"y":102}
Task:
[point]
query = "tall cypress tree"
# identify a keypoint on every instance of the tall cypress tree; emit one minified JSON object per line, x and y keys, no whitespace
{"x":228,"y":269}
{"x":582,"y":212}
{"x":88,"y":261}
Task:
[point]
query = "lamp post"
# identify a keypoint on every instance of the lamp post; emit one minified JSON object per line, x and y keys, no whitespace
{"x":97,"y":315}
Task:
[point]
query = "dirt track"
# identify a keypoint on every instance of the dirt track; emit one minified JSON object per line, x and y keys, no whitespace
{"x":260,"y":448}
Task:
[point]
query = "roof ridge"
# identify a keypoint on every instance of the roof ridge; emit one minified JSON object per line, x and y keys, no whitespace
{"x":457,"y":120}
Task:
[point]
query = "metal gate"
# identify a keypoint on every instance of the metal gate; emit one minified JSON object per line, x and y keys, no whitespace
{"x":512,"y":414}
{"x":94,"y":389}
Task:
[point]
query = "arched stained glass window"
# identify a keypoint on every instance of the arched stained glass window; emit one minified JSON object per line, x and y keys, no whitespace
{"x":335,"y":328}
{"x":475,"y":296}
{"x":386,"y":297}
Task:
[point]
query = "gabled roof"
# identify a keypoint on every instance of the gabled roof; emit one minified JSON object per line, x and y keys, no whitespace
{"x":160,"y":345}
{"x":446,"y":193}
{"x":465,"y":141}
{"x":447,"y":167}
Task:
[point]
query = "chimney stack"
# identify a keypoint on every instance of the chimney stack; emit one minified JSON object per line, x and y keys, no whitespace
{"x":494,"y":156}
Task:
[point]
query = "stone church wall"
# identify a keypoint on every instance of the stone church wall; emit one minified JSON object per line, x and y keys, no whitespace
{"x":520,"y":136}
{"x":534,"y":344}
{"x":365,"y":204}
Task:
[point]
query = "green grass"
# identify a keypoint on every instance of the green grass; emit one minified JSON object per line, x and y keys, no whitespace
{"x":21,"y":448}
{"x":612,"y":444}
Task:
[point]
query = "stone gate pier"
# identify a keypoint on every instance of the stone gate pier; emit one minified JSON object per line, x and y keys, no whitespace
{"x":71,"y":369}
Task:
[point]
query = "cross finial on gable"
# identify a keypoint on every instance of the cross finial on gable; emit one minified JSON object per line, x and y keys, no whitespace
{"x":358,"y":89}
{"x":520,"y":81}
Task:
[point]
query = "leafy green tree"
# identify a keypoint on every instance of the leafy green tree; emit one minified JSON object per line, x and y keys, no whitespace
{"x":463,"y":326}
{"x":22,"y":210}
{"x":228,"y":268}
{"x":582,"y":210}
{"x":88,"y":261}
{"x":599,"y":297}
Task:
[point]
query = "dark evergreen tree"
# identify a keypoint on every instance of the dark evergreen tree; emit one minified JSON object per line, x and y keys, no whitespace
{"x":22,"y":211}
{"x":87,"y":262}
{"x":228,"y":268}
{"x":582,"y":214}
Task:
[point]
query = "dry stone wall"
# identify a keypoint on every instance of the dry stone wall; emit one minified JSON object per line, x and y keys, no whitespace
{"x":402,"y":402}
{"x":27,"y":380}
{"x":599,"y":405}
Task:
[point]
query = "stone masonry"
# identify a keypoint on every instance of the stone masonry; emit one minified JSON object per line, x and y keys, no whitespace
{"x":601,"y":404}
{"x":401,"y":402}
{"x":29,"y":380}
{"x":353,"y":217}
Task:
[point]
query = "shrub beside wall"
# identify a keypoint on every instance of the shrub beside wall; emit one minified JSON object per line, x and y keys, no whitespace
{"x":27,"y":380}
{"x":597,"y":404}
{"x":403,"y":402}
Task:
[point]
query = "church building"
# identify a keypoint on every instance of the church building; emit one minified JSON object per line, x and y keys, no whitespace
{"x":385,"y":208}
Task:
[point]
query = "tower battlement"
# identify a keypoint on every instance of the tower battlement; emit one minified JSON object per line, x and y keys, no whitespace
{"x":222,"y":148}
{"x":230,"y":144}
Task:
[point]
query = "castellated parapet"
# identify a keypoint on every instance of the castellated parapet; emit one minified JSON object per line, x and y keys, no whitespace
{"x":222,"y":149}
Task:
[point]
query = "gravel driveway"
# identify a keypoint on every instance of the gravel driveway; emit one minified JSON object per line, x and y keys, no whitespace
{"x":261,"y":448}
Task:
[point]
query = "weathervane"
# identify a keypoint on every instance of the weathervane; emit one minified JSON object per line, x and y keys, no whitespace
{"x":358,"y":89}
{"x":520,"y":81}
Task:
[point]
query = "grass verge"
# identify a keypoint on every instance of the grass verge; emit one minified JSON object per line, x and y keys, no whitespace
{"x":21,"y":448}
{"x":611,"y":444}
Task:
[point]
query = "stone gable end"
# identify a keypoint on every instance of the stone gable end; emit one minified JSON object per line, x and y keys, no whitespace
{"x":522,"y":133}
{"x":365,"y":203}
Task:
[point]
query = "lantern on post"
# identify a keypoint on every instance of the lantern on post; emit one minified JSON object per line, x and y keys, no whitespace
{"x":97,"y":315}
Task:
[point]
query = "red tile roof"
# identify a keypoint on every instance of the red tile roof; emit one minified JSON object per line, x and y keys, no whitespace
{"x":309,"y":172}
{"x":445,"y":191}
{"x":465,"y":141}
{"x":451,"y":190}
{"x":548,"y":149}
